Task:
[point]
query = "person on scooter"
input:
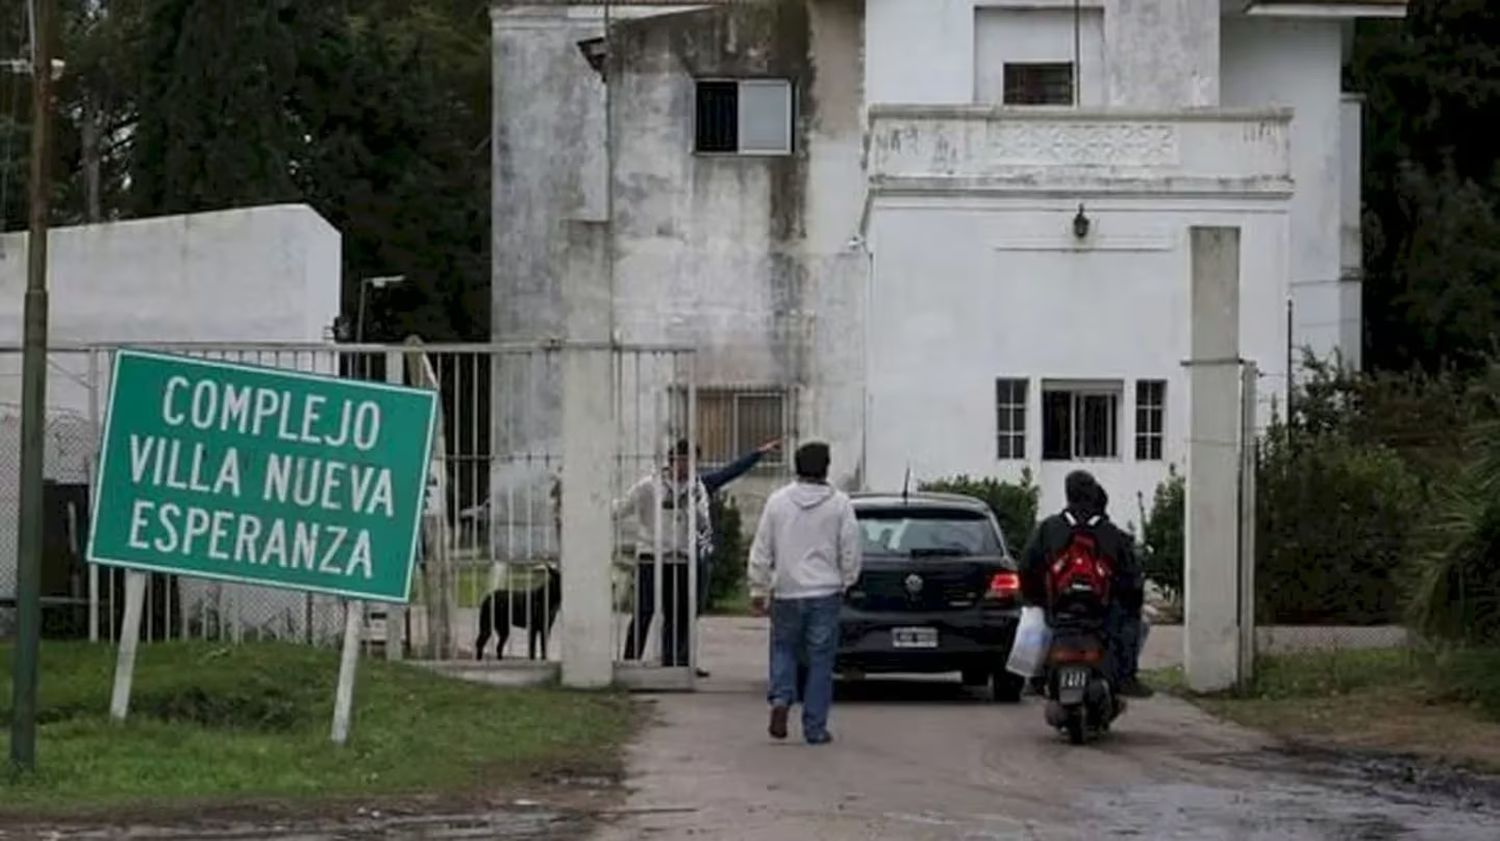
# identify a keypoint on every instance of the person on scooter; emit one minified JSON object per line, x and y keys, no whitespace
{"x":1086,"y":502}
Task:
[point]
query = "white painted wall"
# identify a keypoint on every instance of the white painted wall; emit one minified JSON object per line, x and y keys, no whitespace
{"x":968,"y":291}
{"x":1004,"y":35}
{"x":1298,"y":64}
{"x":1162,"y":53}
{"x":258,"y":274}
{"x":919,"y":51}
{"x":266,"y":274}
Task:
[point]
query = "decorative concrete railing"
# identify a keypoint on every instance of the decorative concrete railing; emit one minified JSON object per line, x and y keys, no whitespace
{"x":1203,"y":149}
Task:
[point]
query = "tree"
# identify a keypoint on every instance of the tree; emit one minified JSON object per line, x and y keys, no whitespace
{"x":1432,"y":184}
{"x":375,"y":112}
{"x":1164,"y":536}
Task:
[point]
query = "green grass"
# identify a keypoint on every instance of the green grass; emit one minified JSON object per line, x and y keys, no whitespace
{"x":1441,"y":704}
{"x":1469,"y":676}
{"x":471,"y":581}
{"x":232,"y":724}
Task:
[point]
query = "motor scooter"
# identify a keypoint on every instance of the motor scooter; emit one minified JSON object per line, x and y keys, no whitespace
{"x":1081,"y":702}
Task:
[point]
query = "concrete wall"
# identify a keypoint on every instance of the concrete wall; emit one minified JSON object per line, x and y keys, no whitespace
{"x":260,"y":274}
{"x":1004,"y":35}
{"x":746,"y":258}
{"x":267,"y":274}
{"x":549,"y":160}
{"x":1298,"y":64}
{"x":919,"y":51}
{"x":965,"y":292}
{"x":1162,"y":53}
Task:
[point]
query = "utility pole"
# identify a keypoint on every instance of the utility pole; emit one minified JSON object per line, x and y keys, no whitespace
{"x":33,"y":402}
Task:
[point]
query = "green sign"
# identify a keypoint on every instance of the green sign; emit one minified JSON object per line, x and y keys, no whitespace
{"x":262,"y":476}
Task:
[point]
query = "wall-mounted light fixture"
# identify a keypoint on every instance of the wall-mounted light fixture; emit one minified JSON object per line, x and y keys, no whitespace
{"x":1081,"y":224}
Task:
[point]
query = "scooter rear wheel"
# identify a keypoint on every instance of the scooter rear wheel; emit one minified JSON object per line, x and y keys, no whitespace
{"x":1075,"y":727}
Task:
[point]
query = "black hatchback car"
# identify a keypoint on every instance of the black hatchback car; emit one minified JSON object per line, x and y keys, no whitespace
{"x":939,"y":593}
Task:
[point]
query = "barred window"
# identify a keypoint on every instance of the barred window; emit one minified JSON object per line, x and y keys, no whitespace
{"x":1150,"y":419}
{"x":1080,"y":422}
{"x":745,"y":116}
{"x":1010,"y":419}
{"x":1039,"y":84}
{"x":734,"y":421}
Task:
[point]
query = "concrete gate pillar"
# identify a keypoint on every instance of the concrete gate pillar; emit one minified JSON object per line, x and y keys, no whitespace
{"x":588,"y":462}
{"x":1211,"y":640}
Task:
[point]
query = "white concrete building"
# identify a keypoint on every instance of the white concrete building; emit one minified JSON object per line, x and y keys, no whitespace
{"x":951,"y":236}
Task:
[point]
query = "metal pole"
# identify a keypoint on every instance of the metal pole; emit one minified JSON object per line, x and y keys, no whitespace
{"x":1249,"y":378}
{"x":1290,"y":383}
{"x":359,"y":326}
{"x":33,"y":403}
{"x":1077,"y":53}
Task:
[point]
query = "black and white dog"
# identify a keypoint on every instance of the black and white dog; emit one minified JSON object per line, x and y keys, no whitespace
{"x":534,"y":610}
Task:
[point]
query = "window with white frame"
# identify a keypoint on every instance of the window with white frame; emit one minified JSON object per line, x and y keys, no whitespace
{"x":1081,"y":421}
{"x":1039,"y":83}
{"x":1150,"y":419}
{"x":734,"y":421}
{"x":744,"y":117}
{"x":1010,"y":419}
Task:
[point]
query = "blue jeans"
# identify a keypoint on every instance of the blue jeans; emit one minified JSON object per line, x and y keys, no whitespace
{"x":805,"y":634}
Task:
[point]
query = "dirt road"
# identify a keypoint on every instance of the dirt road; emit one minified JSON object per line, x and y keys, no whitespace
{"x":927,"y":761}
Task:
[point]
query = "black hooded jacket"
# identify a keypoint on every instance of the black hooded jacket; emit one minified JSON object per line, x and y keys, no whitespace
{"x":1053,"y":536}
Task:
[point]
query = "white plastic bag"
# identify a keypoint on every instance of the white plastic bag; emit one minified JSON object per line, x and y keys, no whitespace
{"x":1033,"y":638}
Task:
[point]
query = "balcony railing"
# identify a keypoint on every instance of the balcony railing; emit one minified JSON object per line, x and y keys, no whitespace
{"x":1210,"y":149}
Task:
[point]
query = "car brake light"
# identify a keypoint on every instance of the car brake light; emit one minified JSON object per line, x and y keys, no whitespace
{"x":1004,"y":585}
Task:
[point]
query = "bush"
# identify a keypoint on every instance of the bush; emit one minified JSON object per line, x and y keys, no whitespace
{"x":1336,"y":524}
{"x":1457,"y":591}
{"x":1015,"y":504}
{"x":1164,"y":536}
{"x":728,"y":577}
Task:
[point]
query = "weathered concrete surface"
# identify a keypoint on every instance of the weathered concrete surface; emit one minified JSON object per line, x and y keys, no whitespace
{"x":926,"y":761}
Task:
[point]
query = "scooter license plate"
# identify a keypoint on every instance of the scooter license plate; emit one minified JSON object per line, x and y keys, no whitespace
{"x":1071,"y":684}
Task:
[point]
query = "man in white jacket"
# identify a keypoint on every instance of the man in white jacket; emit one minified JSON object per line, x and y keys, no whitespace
{"x":658,"y":506}
{"x":805,"y":555}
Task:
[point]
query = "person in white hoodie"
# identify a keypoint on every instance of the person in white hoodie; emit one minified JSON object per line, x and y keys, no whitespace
{"x":806,"y":553}
{"x":658,"y":506}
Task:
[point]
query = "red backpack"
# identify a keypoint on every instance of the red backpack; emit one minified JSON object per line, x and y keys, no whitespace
{"x":1078,"y":579}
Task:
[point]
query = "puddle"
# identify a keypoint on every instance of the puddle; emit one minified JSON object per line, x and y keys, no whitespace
{"x":1303,"y":796}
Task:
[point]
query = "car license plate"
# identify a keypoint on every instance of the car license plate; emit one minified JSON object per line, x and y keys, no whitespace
{"x":914,"y":638}
{"x":1074,"y":678}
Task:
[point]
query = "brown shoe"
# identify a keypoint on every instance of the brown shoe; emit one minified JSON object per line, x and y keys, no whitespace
{"x":778,"y":722}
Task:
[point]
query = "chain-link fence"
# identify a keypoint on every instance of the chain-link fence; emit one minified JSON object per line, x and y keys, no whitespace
{"x":489,"y":573}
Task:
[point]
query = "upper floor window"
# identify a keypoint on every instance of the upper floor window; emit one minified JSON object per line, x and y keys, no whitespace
{"x":1039,"y":83}
{"x":744,"y":116}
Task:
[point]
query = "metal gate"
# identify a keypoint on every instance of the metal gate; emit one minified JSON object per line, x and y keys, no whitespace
{"x":491,"y":539}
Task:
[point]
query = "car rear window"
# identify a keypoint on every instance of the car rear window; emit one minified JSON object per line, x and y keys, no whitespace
{"x":939,"y":533}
